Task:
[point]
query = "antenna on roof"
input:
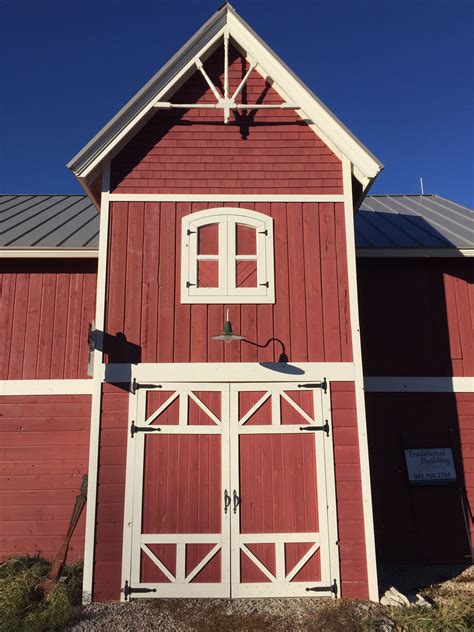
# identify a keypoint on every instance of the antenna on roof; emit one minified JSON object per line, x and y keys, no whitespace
{"x":421,"y":185}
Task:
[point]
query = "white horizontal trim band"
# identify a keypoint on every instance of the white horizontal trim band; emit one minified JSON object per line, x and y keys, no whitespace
{"x":221,"y":197}
{"x":415,"y":252}
{"x":49,"y":253}
{"x":46,"y":387}
{"x":419,"y":384}
{"x":224,"y":372}
{"x":363,"y":253}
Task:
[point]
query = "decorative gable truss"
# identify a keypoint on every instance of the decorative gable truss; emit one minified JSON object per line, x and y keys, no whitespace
{"x":228,"y":27}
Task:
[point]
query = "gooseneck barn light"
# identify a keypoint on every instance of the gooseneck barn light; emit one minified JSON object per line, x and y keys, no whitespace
{"x":227,"y":334}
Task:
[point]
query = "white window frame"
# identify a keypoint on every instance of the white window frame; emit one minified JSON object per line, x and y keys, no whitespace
{"x":227,"y":292}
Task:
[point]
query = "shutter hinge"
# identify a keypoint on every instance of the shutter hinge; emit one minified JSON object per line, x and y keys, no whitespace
{"x":190,"y":232}
{"x":128,"y":590}
{"x":263,"y":232}
{"x":332,"y":588}
{"x":324,"y":428}
{"x":188,"y":284}
{"x":266,"y":284}
{"x":136,"y":385}
{"x":323,"y":385}
{"x":134,"y":429}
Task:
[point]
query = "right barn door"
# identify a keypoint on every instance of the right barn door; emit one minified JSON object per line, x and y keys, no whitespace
{"x":283,"y":492}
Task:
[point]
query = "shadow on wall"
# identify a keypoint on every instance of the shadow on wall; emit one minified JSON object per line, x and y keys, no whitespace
{"x":414,"y":315}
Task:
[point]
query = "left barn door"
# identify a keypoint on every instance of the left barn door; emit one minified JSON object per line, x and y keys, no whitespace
{"x":176,"y":533}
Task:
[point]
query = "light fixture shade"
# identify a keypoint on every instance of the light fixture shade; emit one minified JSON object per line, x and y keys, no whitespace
{"x":227,"y":335}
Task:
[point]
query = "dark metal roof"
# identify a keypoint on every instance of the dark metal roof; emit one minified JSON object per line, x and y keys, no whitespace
{"x":48,"y":221}
{"x":413,"y":221}
{"x":383,"y":221}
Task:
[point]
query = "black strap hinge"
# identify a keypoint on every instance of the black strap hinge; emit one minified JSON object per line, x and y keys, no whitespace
{"x":136,"y":385}
{"x":266,"y":284}
{"x":190,"y":232}
{"x":263,"y":232}
{"x":323,"y":385}
{"x":324,"y":428}
{"x":188,"y":284}
{"x":332,"y":588}
{"x":134,"y":429}
{"x":128,"y":590}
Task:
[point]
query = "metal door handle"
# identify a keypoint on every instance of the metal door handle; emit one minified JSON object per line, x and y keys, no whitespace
{"x":236,"y":501}
{"x":227,"y":501}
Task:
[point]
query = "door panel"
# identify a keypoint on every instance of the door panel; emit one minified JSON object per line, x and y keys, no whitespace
{"x":280,"y":539}
{"x":180,"y":531}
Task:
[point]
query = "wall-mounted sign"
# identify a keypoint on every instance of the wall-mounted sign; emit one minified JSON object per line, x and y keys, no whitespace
{"x":430,"y":466}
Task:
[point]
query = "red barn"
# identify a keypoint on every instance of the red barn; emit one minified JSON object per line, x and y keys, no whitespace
{"x":222,"y":415}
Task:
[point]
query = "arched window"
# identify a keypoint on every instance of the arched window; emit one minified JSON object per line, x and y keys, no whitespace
{"x":227,"y":257}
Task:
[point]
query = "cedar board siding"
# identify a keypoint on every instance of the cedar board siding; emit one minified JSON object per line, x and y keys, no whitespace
{"x":43,"y":456}
{"x":45,"y":311}
{"x":310,"y":315}
{"x":417,"y":316}
{"x":193,"y":151}
{"x":110,"y":493}
{"x":420,"y":524}
{"x":352,"y":552}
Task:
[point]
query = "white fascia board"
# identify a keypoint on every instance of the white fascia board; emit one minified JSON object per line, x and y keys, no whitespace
{"x":419,"y":384}
{"x":297,"y":92}
{"x":120,"y":125}
{"x":49,"y":253}
{"x":323,"y":122}
{"x":415,"y":252}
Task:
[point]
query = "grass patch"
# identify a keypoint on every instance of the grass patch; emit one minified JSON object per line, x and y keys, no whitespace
{"x":22,"y":603}
{"x":453,"y":607}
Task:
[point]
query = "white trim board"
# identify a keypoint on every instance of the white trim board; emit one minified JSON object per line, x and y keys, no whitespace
{"x":223,"y":197}
{"x":48,"y":253}
{"x":46,"y":387}
{"x":367,"y":253}
{"x":229,"y":372}
{"x":359,"y":384}
{"x":419,"y":384}
{"x":93,"y":472}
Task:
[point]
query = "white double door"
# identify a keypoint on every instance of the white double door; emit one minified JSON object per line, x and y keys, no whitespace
{"x":230,"y":492}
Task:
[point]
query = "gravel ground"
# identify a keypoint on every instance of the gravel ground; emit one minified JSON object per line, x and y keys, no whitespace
{"x":278,"y":615}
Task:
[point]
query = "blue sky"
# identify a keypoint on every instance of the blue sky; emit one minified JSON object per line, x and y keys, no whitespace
{"x":399,"y":74}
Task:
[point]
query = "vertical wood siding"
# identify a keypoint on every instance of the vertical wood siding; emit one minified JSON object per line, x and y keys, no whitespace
{"x":110,"y":493}
{"x":417,"y":316}
{"x":46,"y":307}
{"x":264,"y":151}
{"x":310,"y":315}
{"x":43,"y":456}
{"x":352,"y":552}
{"x":411,"y":521}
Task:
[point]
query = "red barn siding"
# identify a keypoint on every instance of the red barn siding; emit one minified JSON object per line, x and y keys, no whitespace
{"x":420,"y":524}
{"x":192,"y":151}
{"x":43,"y":456}
{"x":310,"y":315}
{"x":45,"y":311}
{"x":352,"y":551}
{"x":417,"y":316}
{"x":110,"y":494}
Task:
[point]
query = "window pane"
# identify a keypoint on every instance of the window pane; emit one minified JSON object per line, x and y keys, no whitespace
{"x":208,"y":239}
{"x":246,"y":273}
{"x":208,"y":273}
{"x":246,"y":240}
